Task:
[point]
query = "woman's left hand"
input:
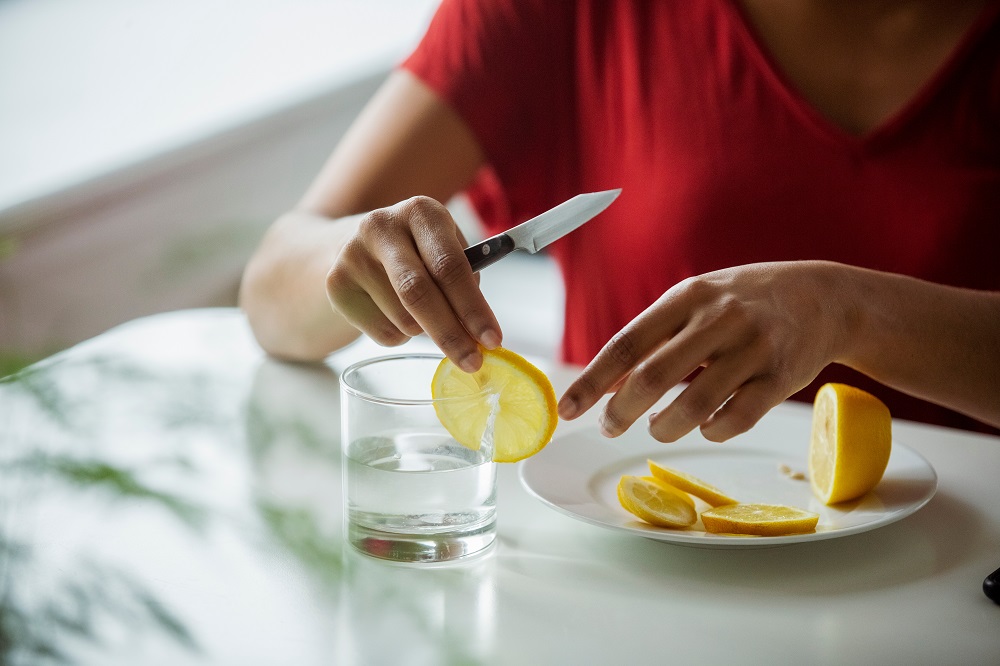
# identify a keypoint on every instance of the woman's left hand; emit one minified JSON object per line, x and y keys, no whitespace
{"x":760,"y":332}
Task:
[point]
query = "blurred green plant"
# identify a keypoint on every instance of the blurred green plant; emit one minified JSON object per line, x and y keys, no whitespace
{"x":48,"y":611}
{"x":205,"y":248}
{"x":11,"y":362}
{"x":8,"y":247}
{"x":44,"y":608}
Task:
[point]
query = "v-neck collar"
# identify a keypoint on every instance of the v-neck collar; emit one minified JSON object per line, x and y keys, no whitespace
{"x":760,"y":55}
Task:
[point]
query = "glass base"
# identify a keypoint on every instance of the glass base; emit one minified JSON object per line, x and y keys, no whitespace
{"x":421,"y":547}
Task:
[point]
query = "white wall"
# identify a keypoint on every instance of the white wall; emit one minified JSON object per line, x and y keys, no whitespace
{"x":171,"y":233}
{"x":145,"y":146}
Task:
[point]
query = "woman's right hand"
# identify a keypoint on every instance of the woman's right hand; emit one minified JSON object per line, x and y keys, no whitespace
{"x":403,"y":272}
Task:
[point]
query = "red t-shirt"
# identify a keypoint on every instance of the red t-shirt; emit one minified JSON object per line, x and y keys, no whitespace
{"x":721,"y":161}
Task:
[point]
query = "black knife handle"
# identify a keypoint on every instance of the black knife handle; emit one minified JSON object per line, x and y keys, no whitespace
{"x":489,"y":251}
{"x":991,"y":586}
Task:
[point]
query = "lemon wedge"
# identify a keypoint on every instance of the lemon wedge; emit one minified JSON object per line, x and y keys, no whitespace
{"x":850,"y":443}
{"x":690,"y":484}
{"x":655,"y":502}
{"x":508,"y":402}
{"x":759,"y":519}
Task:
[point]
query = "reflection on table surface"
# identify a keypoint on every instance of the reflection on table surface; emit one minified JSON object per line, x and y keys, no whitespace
{"x":168,"y":495}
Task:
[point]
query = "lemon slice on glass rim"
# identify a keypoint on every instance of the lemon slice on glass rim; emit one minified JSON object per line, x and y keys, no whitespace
{"x":508,"y":403}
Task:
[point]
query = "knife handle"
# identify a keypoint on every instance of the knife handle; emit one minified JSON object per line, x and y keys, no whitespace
{"x":489,"y":251}
{"x":991,"y":586}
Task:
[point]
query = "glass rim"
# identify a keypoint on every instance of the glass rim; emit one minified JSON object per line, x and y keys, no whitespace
{"x":357,"y":366}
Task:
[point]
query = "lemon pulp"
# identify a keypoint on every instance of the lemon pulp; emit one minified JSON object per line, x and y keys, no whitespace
{"x":508,"y":404}
{"x":759,"y":519}
{"x":656,"y":503}
{"x":850,"y":443}
{"x":690,"y":484}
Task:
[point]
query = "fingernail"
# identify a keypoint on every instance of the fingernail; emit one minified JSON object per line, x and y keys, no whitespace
{"x":490,"y":339}
{"x":652,"y":416}
{"x":471,"y":362}
{"x":567,"y":408}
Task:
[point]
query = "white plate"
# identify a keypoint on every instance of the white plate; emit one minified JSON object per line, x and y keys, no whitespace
{"x":578,"y":473}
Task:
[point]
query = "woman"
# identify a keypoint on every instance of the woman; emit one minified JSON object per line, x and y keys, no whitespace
{"x":805,"y":183}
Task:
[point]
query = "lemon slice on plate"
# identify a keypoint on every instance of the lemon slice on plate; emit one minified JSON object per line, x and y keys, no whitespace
{"x":850,"y":443}
{"x":655,"y":502}
{"x":759,"y":519}
{"x":690,"y":484}
{"x":508,"y":401}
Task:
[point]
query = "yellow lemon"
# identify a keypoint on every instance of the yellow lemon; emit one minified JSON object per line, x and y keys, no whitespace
{"x":850,"y":444}
{"x":690,"y":484}
{"x":655,"y":502}
{"x":759,"y":519}
{"x":508,"y":402}
{"x":685,"y":497}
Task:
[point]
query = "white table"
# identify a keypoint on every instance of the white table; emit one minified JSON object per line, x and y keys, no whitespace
{"x":168,"y":495}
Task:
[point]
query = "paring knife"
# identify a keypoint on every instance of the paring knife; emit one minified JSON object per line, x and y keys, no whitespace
{"x":539,"y":231}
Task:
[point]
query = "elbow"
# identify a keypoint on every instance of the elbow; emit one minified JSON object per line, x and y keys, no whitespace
{"x":275,"y":326}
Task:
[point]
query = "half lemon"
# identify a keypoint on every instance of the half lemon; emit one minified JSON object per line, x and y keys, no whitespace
{"x":850,"y":443}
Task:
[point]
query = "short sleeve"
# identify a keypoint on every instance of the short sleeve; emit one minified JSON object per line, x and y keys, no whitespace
{"x":506,"y":67}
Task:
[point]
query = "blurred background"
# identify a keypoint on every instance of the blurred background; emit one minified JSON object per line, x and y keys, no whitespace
{"x":145,"y":145}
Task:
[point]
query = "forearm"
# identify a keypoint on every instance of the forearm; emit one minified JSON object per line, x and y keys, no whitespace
{"x":935,"y":342}
{"x":283,"y":290}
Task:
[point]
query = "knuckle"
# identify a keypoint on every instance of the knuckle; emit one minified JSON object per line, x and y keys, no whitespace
{"x":742,"y":421}
{"x":585,"y":388}
{"x":388,"y":337}
{"x":336,"y":280}
{"x":730,"y":312}
{"x":413,"y":288}
{"x":409,"y":326}
{"x":352,"y":258}
{"x":735,"y":421}
{"x":730,"y":307}
{"x":447,"y":269}
{"x":778,"y":368}
{"x":769,"y":341}
{"x":771,"y":348}
{"x":657,"y":432}
{"x":453,"y":342}
{"x":613,"y":420}
{"x":421,"y":204}
{"x":649,"y":381}
{"x":694,"y":407}
{"x":622,"y":349}
{"x":376,"y":222}
{"x":696,"y":287}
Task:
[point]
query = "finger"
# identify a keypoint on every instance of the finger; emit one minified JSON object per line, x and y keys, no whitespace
{"x":624,"y":351}
{"x":701,"y":399}
{"x":747,"y":406}
{"x":653,"y":377}
{"x":441,"y":249}
{"x":419,"y":294}
{"x":379,"y":288}
{"x":355,"y":274}
{"x":357,"y":307}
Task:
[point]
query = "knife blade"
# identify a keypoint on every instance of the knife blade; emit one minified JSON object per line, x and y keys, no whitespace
{"x":541,"y":230}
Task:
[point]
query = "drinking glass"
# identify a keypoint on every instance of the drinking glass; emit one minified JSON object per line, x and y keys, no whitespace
{"x":411,"y":492}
